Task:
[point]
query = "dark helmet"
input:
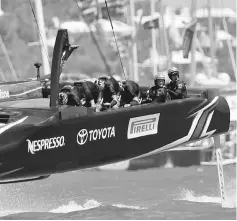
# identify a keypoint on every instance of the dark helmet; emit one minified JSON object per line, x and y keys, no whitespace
{"x":102,"y":79}
{"x":67,"y":88}
{"x":173,"y":71}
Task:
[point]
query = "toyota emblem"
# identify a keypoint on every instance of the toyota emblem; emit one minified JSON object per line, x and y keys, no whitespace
{"x":82,"y":136}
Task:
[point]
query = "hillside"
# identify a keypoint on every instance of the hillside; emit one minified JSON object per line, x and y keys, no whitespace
{"x":18,"y":28}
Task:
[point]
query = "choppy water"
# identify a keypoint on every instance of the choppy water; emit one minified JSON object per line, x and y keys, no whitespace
{"x":178,"y":193}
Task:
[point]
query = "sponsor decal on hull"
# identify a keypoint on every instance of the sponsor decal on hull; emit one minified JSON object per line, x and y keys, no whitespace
{"x":198,"y":129}
{"x":45,"y":144}
{"x":143,"y":126}
{"x":97,"y":134}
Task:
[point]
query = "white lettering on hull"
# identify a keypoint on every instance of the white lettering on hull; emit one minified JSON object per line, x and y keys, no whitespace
{"x":97,"y":134}
{"x":45,"y":144}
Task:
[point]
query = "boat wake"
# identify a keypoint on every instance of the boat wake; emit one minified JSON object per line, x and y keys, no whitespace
{"x":73,"y":206}
{"x":129,"y":207}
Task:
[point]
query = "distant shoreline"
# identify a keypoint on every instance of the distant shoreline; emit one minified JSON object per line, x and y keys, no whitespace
{"x":187,"y":3}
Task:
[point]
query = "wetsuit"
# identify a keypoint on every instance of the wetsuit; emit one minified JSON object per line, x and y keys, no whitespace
{"x":87,"y":91}
{"x":69,"y":96}
{"x":130,"y":93}
{"x":80,"y":94}
{"x":109,"y":93}
{"x":158,"y":95}
{"x":177,"y":90}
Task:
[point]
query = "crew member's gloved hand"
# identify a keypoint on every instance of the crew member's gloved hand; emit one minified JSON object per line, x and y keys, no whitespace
{"x":98,"y":107}
{"x":135,"y":101}
{"x":176,"y":94}
{"x":148,"y":100}
{"x":115,"y":104}
{"x":63,"y":98}
{"x":127,"y":105}
{"x":106,"y":105}
{"x":83,"y":101}
{"x":115,"y":107}
{"x":144,"y":101}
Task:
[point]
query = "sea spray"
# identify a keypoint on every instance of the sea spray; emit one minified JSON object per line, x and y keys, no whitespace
{"x":73,"y":206}
{"x":191,"y":196}
{"x":231,"y":193}
{"x":129,"y":207}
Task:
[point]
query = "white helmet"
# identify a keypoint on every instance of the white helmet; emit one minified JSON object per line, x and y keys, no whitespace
{"x":224,"y":77}
{"x":117,"y":77}
{"x":159,"y":76}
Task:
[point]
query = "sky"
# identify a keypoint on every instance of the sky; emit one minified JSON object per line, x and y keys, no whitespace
{"x":215,"y":3}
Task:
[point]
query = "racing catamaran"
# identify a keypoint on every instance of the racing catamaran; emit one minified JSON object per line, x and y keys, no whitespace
{"x":38,"y":137}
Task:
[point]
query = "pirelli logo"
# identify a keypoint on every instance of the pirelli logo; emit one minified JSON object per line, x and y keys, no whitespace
{"x":143,"y":126}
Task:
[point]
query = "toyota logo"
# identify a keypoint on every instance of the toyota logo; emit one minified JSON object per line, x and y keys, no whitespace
{"x":82,"y":136}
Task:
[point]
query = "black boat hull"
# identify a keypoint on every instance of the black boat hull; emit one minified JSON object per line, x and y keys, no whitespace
{"x":42,"y":138}
{"x":63,"y":142}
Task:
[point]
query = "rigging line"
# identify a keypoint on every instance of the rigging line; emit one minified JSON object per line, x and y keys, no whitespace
{"x":95,"y":41}
{"x":115,"y":40}
{"x":41,"y":38}
{"x":8,"y":59}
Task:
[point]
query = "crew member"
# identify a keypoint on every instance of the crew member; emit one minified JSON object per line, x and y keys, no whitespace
{"x":158,"y":93}
{"x":68,"y":96}
{"x":109,"y":94}
{"x":84,"y":93}
{"x":130,"y":93}
{"x":177,"y":89}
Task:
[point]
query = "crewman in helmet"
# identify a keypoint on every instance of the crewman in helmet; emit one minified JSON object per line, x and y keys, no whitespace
{"x":83,"y":93}
{"x":177,"y":89}
{"x":68,"y":96}
{"x":88,"y":93}
{"x":158,"y":93}
{"x":109,"y":94}
{"x":101,"y":80}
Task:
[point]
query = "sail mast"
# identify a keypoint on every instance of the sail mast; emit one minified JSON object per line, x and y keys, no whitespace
{"x":193,"y":50}
{"x":128,"y":17}
{"x":164,"y":35}
{"x":153,"y":33}
{"x":8,"y":59}
{"x":134,"y":43}
{"x":210,"y":29}
{"x":42,"y":36}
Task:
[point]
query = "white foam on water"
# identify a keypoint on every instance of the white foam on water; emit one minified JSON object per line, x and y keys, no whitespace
{"x":191,"y":196}
{"x":230,"y":191}
{"x":73,"y":206}
{"x":129,"y":207}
